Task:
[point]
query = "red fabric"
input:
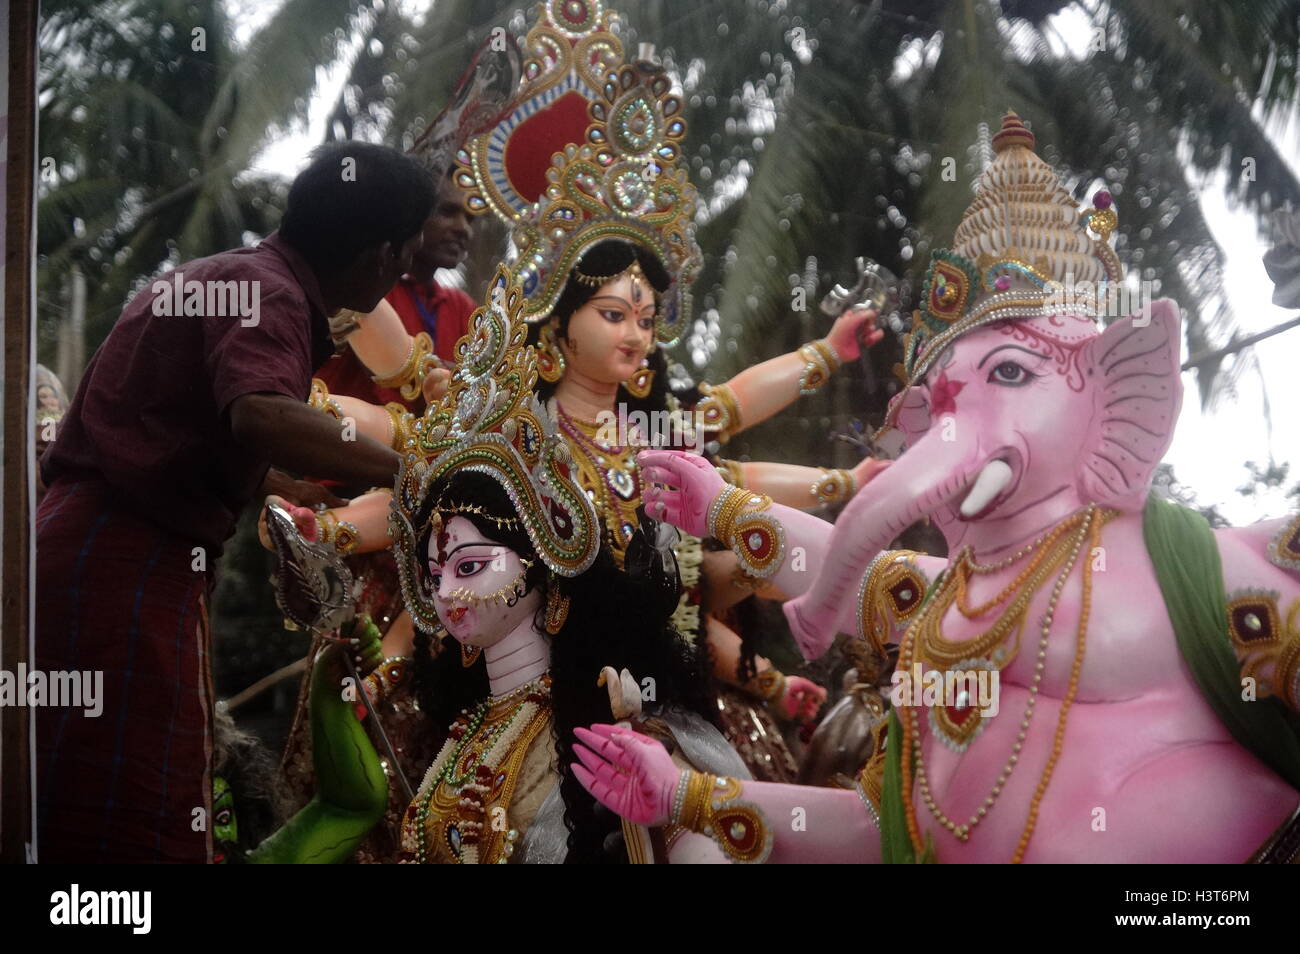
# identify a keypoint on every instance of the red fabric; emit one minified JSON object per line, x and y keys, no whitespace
{"x":149,"y":418}
{"x":539,"y":137}
{"x":118,"y":595}
{"x":345,"y":374}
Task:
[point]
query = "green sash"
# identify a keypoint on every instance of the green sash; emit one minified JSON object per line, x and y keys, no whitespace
{"x":1186,"y":560}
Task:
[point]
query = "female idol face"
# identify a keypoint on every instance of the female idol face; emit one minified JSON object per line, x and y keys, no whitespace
{"x":610,"y":335}
{"x":477,"y":585}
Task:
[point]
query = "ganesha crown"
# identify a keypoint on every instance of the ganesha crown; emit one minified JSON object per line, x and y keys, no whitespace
{"x":1022,"y":249}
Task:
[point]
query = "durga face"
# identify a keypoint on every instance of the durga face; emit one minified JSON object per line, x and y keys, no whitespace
{"x":477,"y":584}
{"x":610,"y":335}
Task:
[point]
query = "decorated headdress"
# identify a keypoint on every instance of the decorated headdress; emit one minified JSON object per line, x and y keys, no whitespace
{"x":490,"y":422}
{"x":1022,"y":250}
{"x":588,"y":151}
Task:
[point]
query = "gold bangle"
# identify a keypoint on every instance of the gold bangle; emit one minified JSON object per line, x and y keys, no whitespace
{"x":736,"y":518}
{"x":768,"y":685}
{"x":731,"y":471}
{"x":346,"y":537}
{"x":719,"y":409}
{"x":722,"y":514}
{"x":326,"y":523}
{"x":712,"y":807}
{"x":410,"y":376}
{"x":820,"y":362}
{"x":1286,"y":674}
{"x":343,"y":323}
{"x":319,"y":398}
{"x":387,"y":676}
{"x":402,"y":420}
{"x":834,"y":486}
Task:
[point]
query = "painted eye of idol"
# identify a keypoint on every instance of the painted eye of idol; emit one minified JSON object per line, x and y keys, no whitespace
{"x":1009,"y":372}
{"x":465,"y":561}
{"x":614,"y":309}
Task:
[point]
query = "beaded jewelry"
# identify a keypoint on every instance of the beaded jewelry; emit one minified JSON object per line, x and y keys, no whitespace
{"x":480,"y":760}
{"x":737,"y":520}
{"x":710,"y":805}
{"x":821,"y":363}
{"x":834,"y":486}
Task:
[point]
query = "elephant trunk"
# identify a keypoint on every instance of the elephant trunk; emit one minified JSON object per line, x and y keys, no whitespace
{"x":925,"y":478}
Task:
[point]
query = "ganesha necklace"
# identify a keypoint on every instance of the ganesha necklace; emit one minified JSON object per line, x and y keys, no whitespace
{"x":1087,"y":526}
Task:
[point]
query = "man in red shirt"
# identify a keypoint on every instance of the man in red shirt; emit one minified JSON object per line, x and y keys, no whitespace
{"x":200,"y":386}
{"x":421,"y":303}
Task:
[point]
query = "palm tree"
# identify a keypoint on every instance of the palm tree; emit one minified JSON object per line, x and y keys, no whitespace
{"x":151,"y":116}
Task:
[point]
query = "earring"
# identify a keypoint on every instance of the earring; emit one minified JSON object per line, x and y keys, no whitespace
{"x":557,"y":608}
{"x":641,"y":381}
{"x":550,"y":360}
{"x":469,"y":655}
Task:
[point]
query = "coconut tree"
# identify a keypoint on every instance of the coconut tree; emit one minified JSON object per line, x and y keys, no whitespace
{"x":150,"y":117}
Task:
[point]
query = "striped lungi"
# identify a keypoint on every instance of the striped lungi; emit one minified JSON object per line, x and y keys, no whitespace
{"x":119,"y":595}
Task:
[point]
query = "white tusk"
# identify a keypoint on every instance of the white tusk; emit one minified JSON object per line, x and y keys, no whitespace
{"x":992,"y":480}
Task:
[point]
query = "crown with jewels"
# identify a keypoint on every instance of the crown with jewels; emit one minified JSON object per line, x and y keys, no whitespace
{"x":491,"y":422}
{"x":1022,"y":250}
{"x":588,"y":151}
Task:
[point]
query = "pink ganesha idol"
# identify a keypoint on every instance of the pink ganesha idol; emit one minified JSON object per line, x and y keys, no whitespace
{"x":1094,"y":675}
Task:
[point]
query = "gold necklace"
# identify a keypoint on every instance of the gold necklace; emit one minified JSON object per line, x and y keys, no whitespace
{"x":946,"y":654}
{"x":609,"y":475}
{"x":1091,"y":528}
{"x":966,"y":566}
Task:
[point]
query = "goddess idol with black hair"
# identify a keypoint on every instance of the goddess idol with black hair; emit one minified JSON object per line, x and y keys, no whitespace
{"x":584,"y":167}
{"x":520,"y":614}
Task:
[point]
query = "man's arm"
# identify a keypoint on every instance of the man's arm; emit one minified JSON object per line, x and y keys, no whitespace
{"x":298,"y":438}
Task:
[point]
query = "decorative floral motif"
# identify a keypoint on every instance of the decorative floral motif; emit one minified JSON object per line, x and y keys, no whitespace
{"x":943,"y":395}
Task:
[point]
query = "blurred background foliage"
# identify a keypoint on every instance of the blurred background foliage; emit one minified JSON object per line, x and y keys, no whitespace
{"x":819,"y":131}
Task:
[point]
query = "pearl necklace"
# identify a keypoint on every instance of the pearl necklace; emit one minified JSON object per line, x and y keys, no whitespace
{"x":1091,"y":528}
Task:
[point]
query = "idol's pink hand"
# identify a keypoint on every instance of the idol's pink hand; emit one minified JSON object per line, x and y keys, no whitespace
{"x":630,"y":774}
{"x":852,"y":331}
{"x":679,"y":488}
{"x":303,"y":517}
{"x":802,"y":699}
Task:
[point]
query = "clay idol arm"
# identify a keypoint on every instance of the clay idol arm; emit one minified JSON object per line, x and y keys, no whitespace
{"x":757,"y":393}
{"x":352,"y":792}
{"x":797,"y":486}
{"x":751,"y":822}
{"x":779,"y":544}
{"x":395,"y":357}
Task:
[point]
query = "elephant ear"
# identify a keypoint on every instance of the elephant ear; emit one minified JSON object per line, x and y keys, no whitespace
{"x":1134,"y":371}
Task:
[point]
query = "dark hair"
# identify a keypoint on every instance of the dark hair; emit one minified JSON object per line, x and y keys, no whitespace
{"x":607,"y":625}
{"x":611,"y":257}
{"x":250,"y":770}
{"x":331,"y":218}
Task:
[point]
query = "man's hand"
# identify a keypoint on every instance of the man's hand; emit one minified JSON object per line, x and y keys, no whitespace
{"x":304,"y":493}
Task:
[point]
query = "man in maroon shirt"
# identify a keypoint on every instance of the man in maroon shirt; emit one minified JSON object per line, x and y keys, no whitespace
{"x":199,"y":387}
{"x":421,"y":303}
